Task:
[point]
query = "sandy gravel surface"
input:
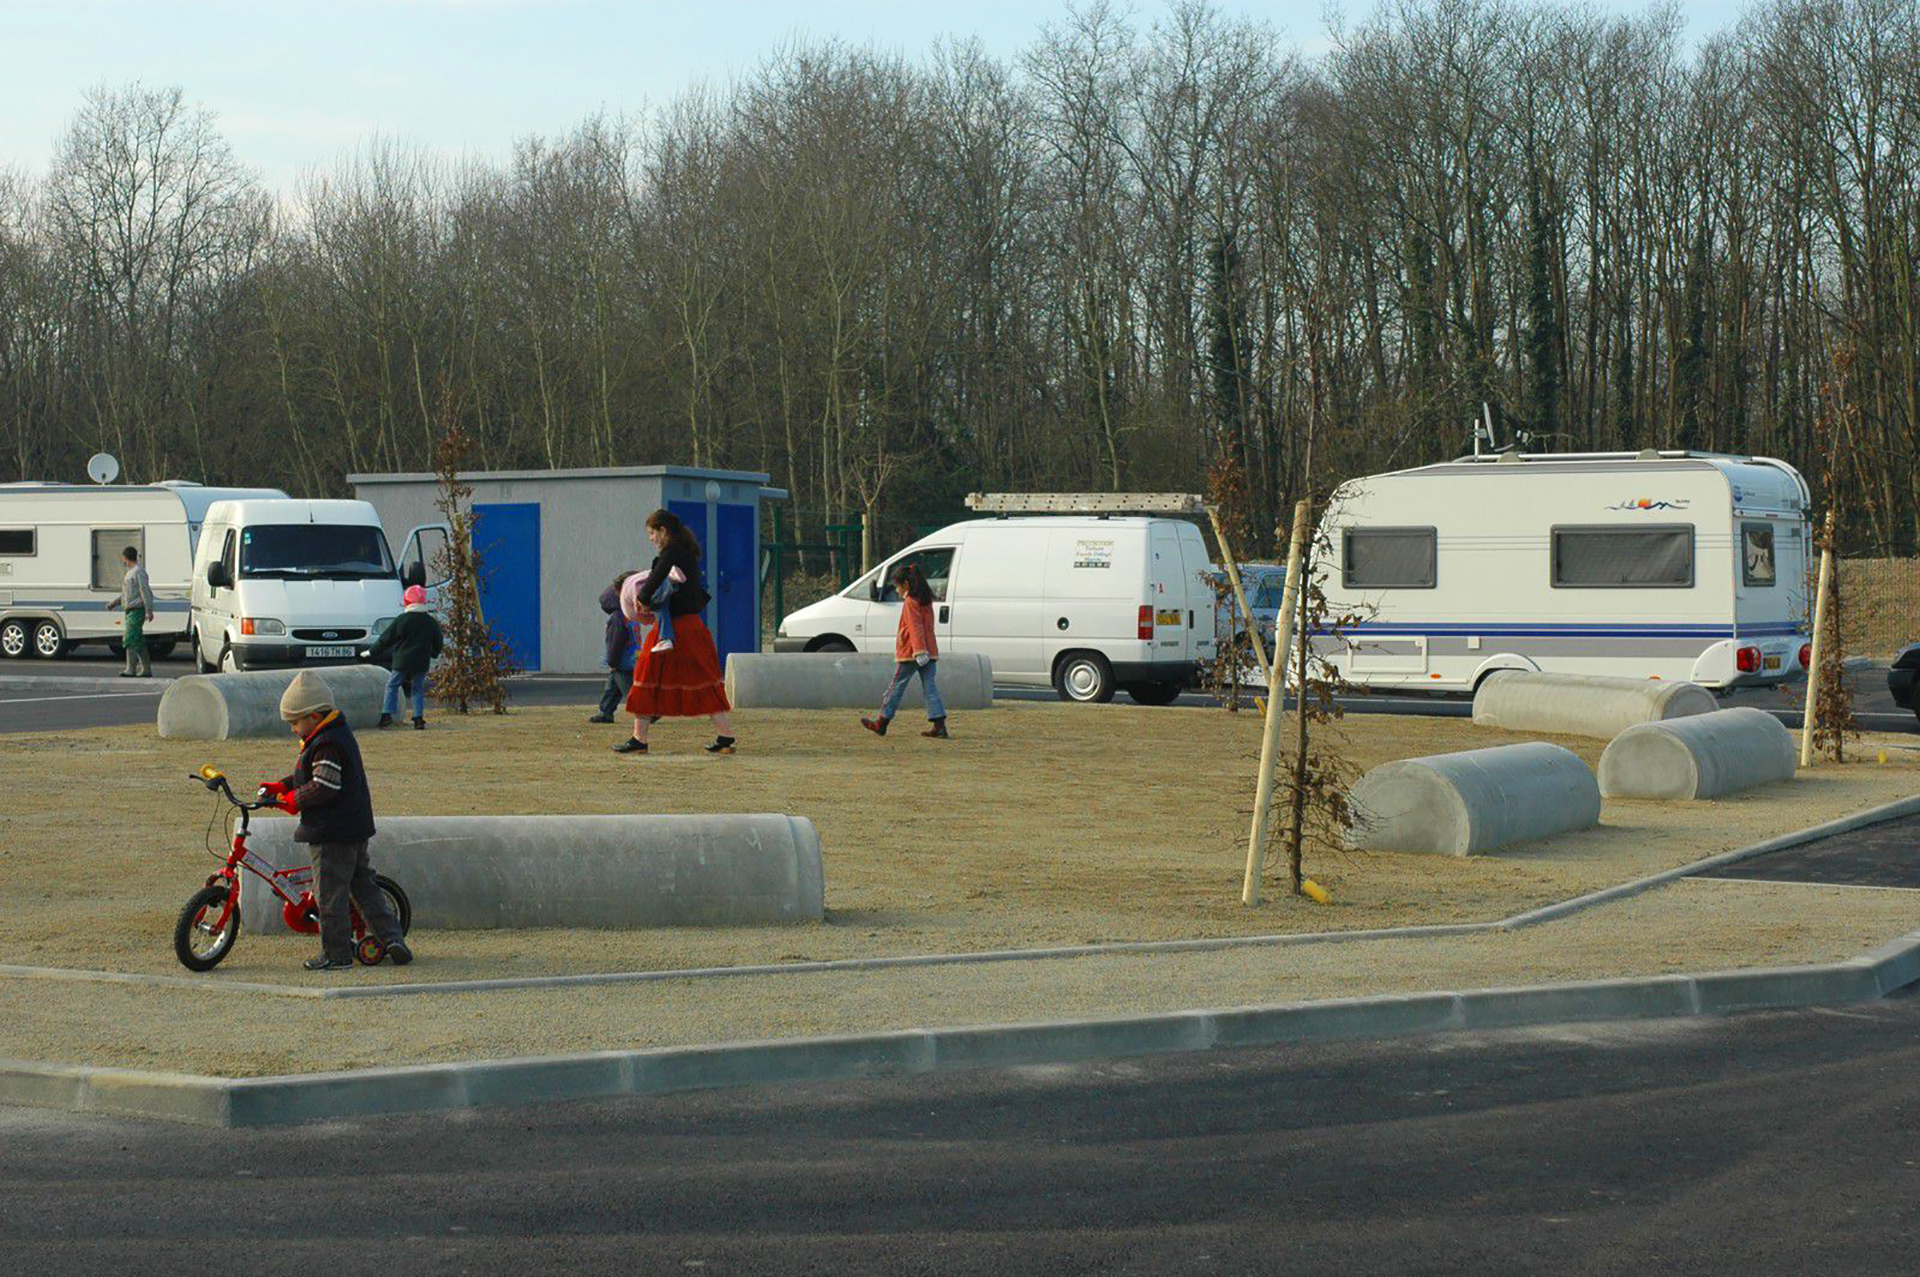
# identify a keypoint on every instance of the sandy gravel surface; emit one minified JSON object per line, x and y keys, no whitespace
{"x":1040,"y":825}
{"x":1690,"y":926}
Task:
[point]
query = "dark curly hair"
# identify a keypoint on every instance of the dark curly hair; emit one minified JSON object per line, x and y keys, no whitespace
{"x":679,"y":535}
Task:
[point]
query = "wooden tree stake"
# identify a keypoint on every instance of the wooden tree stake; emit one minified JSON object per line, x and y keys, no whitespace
{"x":1276,"y":698}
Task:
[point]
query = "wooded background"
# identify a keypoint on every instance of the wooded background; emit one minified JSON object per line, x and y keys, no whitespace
{"x":1145,"y":253}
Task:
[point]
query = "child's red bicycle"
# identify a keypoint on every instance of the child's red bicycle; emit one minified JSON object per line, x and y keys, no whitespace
{"x":210,"y":923}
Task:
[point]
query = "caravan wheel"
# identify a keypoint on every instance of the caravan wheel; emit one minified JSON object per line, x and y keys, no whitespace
{"x":13,"y":639}
{"x":48,"y":642}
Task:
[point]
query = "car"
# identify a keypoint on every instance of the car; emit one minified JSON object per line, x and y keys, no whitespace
{"x":1903,"y":677}
{"x":1264,"y":584}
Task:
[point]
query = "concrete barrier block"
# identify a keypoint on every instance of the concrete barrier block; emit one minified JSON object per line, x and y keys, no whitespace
{"x":1703,"y":756}
{"x":468,"y":872}
{"x":31,"y":1084}
{"x":234,"y":706}
{"x":1473,"y":801}
{"x":849,"y":680}
{"x":1582,"y":704}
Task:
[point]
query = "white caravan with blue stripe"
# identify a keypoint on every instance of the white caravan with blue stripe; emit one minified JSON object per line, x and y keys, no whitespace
{"x":1655,"y":565}
{"x":60,"y":547}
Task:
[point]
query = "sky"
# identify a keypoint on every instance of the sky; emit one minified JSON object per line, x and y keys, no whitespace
{"x":297,"y":84}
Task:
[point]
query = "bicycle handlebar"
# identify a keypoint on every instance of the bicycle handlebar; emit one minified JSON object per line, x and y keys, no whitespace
{"x":217,"y":783}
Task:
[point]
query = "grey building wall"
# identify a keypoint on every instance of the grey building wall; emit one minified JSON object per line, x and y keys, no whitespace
{"x":592,"y":527}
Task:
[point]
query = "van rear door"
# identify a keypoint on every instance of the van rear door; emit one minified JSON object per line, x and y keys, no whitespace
{"x":1200,"y":598}
{"x":1166,"y":584}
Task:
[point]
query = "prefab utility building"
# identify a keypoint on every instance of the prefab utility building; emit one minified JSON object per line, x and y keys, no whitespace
{"x":551,"y":540}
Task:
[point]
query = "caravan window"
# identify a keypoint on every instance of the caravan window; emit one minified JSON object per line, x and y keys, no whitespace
{"x":1657,"y":557}
{"x":1388,"y":558}
{"x":1756,"y":553}
{"x":16,"y":543}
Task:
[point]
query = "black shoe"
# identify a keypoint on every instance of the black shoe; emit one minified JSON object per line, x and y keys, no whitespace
{"x":721,"y":745}
{"x":398,"y":953}
{"x":878,"y":726}
{"x":630,"y":746}
{"x":324,"y":963}
{"x":601,"y":718}
{"x":937,"y":729}
{"x":386,"y":720}
{"x":419,"y":724}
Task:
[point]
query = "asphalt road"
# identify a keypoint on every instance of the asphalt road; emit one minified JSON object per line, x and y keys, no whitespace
{"x":25,"y":708}
{"x":1777,"y":1143}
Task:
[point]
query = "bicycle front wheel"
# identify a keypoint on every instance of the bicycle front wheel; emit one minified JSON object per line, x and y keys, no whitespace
{"x":206,"y":930}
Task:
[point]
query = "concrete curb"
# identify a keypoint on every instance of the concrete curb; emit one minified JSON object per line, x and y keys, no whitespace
{"x":293,"y":1099}
{"x":1533,"y":917}
{"x":78,"y":683}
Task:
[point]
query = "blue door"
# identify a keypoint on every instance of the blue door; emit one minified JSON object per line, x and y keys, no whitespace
{"x":727,"y":557}
{"x":736,"y":590}
{"x":507,"y":539}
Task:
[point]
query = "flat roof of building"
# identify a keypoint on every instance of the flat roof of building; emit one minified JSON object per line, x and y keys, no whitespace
{"x":592,"y":472}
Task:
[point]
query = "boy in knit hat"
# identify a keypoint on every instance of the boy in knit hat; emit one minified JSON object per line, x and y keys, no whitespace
{"x":328,"y":791}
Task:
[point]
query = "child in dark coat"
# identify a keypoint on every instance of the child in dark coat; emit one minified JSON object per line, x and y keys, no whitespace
{"x":415,"y":640}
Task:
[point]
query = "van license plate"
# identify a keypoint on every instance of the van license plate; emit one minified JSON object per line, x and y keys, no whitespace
{"x":324,"y":651}
{"x":1773,"y":662}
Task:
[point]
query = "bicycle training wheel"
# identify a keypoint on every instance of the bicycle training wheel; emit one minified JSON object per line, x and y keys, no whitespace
{"x":200,"y":938}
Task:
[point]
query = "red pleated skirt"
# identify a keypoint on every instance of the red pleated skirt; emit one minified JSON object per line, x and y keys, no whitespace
{"x":685,"y":681}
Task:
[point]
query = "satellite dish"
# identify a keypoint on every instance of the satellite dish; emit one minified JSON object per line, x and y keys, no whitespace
{"x":102,"y":468}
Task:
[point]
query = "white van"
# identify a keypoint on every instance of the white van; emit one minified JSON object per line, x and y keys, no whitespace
{"x":283,"y":583}
{"x":1086,"y":605}
{"x":60,"y":547}
{"x":1655,"y":565}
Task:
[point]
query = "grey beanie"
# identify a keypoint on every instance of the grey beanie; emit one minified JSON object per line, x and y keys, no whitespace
{"x":307,"y":694}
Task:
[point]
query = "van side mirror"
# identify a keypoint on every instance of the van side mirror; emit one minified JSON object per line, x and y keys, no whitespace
{"x":873,"y":589}
{"x":218,"y":576}
{"x":414,"y":574}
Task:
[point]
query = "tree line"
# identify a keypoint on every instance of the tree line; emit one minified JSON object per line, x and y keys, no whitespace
{"x":1142,"y":254}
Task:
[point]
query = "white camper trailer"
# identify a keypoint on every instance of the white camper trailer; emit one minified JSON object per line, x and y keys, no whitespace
{"x":1656,"y":565}
{"x":60,"y":546}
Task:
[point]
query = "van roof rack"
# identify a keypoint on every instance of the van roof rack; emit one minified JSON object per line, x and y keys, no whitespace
{"x":1086,"y":503}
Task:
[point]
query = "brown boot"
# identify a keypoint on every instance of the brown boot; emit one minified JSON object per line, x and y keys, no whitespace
{"x":937,"y":729}
{"x":878,"y":726}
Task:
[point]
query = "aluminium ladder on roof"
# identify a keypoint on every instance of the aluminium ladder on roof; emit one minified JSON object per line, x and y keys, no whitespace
{"x":1086,"y":503}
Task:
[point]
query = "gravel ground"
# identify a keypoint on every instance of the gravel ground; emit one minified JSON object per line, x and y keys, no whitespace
{"x":1689,"y":926}
{"x":1041,"y":825}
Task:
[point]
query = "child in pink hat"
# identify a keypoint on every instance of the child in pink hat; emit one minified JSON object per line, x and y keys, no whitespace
{"x":414,"y":639}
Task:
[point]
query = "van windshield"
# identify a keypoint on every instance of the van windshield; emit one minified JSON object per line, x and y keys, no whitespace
{"x":337,"y":552}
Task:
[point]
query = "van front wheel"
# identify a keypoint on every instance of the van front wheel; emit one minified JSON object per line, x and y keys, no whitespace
{"x":1085,"y":678}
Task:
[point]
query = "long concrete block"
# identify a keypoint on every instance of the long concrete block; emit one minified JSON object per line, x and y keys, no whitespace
{"x":479,"y":872}
{"x":1705,"y":756}
{"x":1473,"y":801}
{"x":1582,"y":704}
{"x":849,"y":680}
{"x":231,"y":706}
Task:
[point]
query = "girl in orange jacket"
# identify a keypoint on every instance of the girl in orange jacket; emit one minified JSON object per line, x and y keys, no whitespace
{"x":915,"y":651}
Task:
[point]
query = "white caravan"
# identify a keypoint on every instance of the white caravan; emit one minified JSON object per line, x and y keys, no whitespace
{"x":284,"y":583}
{"x":60,"y":546}
{"x":1655,"y":565}
{"x":1084,"y":604}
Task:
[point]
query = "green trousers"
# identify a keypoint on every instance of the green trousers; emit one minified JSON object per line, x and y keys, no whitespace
{"x":134,"y":639}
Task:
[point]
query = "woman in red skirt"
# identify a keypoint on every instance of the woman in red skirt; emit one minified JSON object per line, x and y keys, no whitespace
{"x":685,"y":680}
